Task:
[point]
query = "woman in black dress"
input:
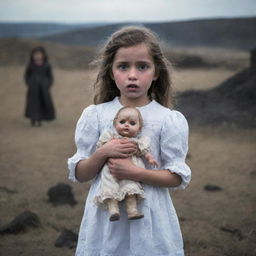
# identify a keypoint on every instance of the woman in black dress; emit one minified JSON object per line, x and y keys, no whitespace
{"x":39,"y":79}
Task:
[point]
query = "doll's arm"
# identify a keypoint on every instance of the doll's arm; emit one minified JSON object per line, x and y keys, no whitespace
{"x":151,"y":159}
{"x":144,"y":150}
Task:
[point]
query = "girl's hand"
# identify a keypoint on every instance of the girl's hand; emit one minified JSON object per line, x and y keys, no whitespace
{"x":119,"y":148}
{"x":123,"y":169}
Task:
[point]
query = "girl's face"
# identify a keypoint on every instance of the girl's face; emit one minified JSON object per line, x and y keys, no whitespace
{"x":127,"y":123}
{"x":133,"y":71}
{"x":38,"y":58}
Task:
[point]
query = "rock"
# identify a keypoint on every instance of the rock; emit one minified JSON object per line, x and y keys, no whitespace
{"x":61,"y":194}
{"x":7,"y":190}
{"x":66,"y":238}
{"x":21,"y":223}
{"x":210,"y":187}
{"x":253,"y":172}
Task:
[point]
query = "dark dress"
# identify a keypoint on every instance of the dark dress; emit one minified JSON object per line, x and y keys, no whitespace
{"x":39,"y":104}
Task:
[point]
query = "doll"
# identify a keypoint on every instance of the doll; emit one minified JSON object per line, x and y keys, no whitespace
{"x":127,"y":123}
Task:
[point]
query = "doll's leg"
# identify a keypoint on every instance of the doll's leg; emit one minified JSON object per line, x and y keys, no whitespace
{"x":131,"y":208}
{"x":113,"y":209}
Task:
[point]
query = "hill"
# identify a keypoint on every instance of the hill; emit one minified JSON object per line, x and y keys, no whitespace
{"x":16,"y":51}
{"x":232,"y":102}
{"x":38,"y":29}
{"x":238,"y":33}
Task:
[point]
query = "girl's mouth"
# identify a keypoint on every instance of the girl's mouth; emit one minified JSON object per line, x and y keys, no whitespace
{"x":132,"y":86}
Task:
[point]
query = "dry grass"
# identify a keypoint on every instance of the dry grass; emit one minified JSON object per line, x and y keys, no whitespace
{"x":210,"y":56}
{"x":198,"y":79}
{"x":34,"y":159}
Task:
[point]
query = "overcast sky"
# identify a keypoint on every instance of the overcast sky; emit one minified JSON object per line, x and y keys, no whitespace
{"x":80,"y":11}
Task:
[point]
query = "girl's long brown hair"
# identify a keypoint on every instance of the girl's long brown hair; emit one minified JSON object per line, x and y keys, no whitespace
{"x":105,"y":88}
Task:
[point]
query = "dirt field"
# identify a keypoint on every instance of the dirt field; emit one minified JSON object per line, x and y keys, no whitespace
{"x":34,"y":159}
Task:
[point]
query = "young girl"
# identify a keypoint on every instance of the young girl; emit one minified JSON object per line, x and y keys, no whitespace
{"x":38,"y":77}
{"x":128,"y":124}
{"x":133,"y":73}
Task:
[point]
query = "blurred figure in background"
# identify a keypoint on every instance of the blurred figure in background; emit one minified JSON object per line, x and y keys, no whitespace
{"x":39,"y":79}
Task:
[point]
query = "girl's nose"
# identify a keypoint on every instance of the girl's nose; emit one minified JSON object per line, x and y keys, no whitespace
{"x":132,"y":74}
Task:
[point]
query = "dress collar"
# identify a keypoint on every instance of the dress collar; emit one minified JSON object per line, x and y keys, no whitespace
{"x":117,"y":101}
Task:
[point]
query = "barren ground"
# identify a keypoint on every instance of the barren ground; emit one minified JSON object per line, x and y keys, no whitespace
{"x":34,"y":159}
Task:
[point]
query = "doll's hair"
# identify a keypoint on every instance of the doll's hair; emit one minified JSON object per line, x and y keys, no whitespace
{"x":105,"y":88}
{"x":128,"y":107}
{"x":36,"y":50}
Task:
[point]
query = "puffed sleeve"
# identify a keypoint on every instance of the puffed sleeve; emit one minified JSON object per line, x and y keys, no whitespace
{"x":86,"y":138}
{"x":174,"y":146}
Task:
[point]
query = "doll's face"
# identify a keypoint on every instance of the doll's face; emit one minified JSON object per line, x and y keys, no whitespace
{"x":127,"y":123}
{"x":38,"y":58}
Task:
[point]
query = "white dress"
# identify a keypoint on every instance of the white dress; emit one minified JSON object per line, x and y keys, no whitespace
{"x":110,"y":187}
{"x":158,"y":233}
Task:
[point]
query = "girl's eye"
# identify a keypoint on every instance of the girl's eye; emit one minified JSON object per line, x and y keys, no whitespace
{"x":122,"y":121}
{"x":143,"y":67}
{"x":132,"y":123}
{"x":122,"y":67}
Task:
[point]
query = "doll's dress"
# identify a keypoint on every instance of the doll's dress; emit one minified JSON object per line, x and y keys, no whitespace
{"x":110,"y":187}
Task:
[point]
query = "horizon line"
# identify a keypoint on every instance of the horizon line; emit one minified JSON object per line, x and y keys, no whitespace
{"x":128,"y":21}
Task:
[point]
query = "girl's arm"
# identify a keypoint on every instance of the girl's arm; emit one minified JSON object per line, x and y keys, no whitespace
{"x":88,"y":168}
{"x":49,"y":76}
{"x":125,"y":169}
